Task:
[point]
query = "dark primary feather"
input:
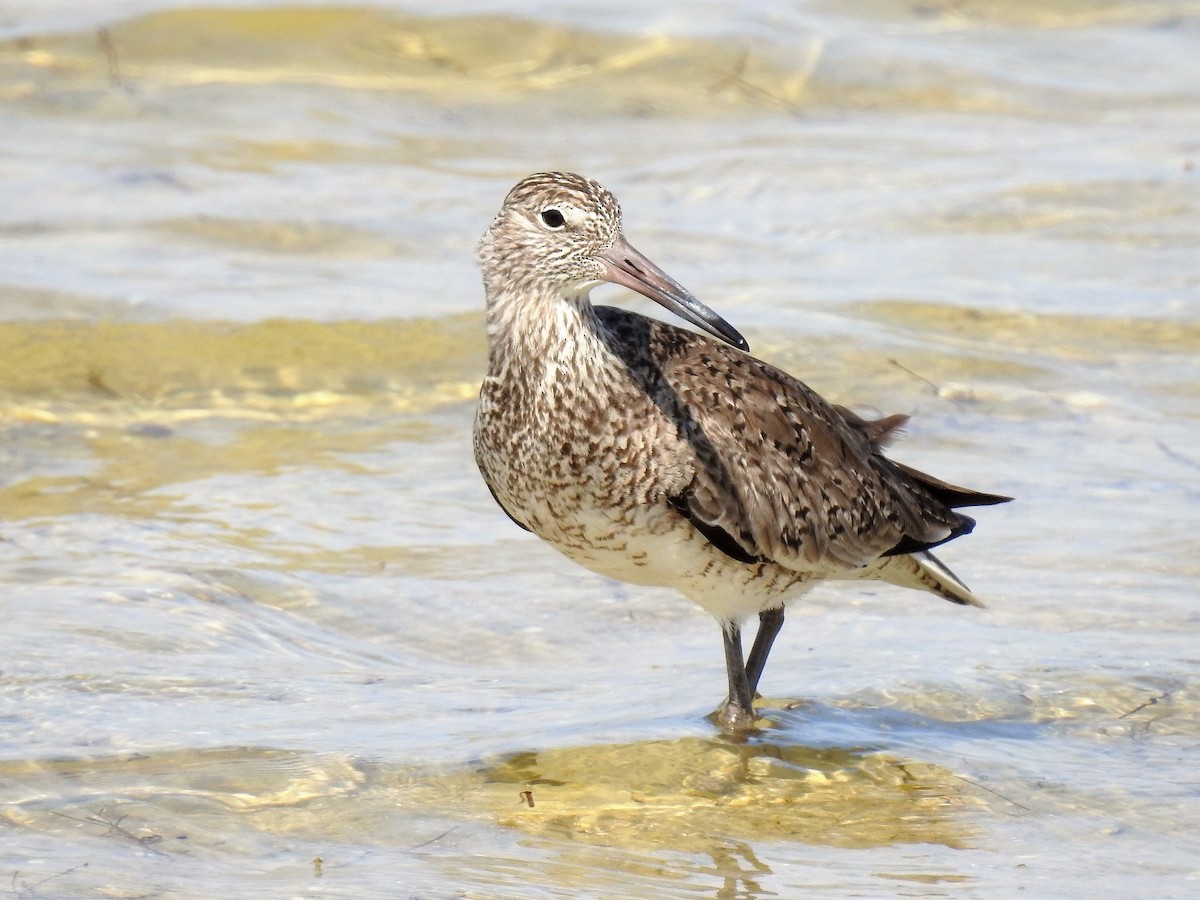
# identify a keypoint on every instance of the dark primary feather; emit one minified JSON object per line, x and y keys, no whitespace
{"x":778,"y":472}
{"x":715,"y":534}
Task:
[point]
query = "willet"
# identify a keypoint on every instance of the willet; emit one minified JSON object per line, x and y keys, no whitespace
{"x":655,"y":455}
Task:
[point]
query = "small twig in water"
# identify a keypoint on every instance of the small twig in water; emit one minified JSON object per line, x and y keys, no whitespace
{"x":434,"y":840}
{"x":1174,"y":454}
{"x":114,"y":827}
{"x":922,"y":378}
{"x":26,"y":890}
{"x":110,"y":54}
{"x":984,"y":787}
{"x":737,"y":79}
{"x":1153,"y":701}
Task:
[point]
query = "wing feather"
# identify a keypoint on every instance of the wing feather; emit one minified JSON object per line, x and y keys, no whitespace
{"x":780,"y":474}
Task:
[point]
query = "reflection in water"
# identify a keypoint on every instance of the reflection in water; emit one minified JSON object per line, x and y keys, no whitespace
{"x":696,"y":795}
{"x":710,"y":800}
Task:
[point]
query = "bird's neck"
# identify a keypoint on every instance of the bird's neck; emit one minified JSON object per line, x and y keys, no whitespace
{"x":540,"y":328}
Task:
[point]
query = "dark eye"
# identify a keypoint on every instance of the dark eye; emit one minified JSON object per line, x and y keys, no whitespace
{"x":553,"y":218}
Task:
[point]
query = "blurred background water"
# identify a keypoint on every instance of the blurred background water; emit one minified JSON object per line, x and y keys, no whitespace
{"x":265,"y":633}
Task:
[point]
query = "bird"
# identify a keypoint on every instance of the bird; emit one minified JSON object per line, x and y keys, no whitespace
{"x":659,"y":455}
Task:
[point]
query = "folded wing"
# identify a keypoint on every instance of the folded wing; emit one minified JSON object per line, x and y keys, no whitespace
{"x":782,"y":475}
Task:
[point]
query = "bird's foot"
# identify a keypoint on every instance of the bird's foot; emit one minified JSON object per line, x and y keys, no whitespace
{"x":734,"y":718}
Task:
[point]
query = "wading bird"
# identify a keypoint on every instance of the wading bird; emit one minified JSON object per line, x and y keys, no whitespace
{"x":658,"y":456}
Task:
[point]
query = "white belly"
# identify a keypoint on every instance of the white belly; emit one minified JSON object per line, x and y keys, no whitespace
{"x":662,"y":549}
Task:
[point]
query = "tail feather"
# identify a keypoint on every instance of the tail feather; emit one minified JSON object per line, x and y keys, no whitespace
{"x":950,"y":494}
{"x":924,"y":572}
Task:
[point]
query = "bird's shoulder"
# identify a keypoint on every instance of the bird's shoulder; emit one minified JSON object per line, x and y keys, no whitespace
{"x":739,"y":396}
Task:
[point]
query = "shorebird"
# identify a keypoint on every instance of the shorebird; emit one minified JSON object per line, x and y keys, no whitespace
{"x":655,"y":455}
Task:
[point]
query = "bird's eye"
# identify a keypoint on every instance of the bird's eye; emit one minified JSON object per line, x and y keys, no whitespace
{"x":553,"y":218}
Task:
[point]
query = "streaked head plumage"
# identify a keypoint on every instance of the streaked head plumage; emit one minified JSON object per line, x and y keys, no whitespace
{"x":551,"y":228}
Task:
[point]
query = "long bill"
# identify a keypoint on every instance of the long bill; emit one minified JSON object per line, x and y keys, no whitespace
{"x":630,"y":268}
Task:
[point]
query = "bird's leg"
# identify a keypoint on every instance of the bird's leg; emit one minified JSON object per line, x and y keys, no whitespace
{"x":769,"y":623}
{"x":737,"y":712}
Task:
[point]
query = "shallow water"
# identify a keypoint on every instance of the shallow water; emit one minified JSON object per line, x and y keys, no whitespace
{"x":266,"y":633}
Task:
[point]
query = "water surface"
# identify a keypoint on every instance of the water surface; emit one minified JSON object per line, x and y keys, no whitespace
{"x":266,"y":632}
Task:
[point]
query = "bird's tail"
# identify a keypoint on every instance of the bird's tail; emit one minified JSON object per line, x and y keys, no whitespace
{"x":924,"y":572}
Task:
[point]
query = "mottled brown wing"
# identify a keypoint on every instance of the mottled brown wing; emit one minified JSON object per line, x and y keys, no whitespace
{"x":781,"y":474}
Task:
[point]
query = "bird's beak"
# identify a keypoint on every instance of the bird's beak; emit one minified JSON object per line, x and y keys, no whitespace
{"x":627,"y":267}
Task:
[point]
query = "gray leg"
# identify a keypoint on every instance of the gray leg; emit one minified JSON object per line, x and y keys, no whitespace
{"x":769,"y":623}
{"x":737,"y":712}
